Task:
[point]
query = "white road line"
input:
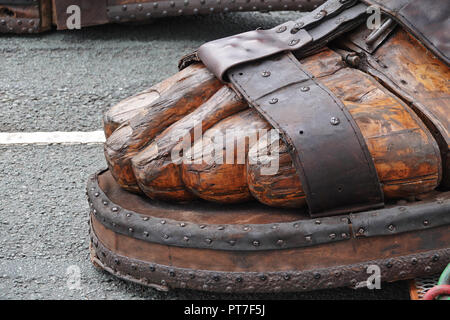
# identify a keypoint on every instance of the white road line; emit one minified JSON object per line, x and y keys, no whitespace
{"x":57,"y":137}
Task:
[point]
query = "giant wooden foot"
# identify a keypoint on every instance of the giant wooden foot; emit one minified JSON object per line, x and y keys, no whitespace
{"x":337,"y":164}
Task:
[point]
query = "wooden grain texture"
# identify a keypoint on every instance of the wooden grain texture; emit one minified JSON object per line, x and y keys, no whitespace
{"x":157,"y":173}
{"x":214,"y":178}
{"x":404,"y":66}
{"x":132,"y":106}
{"x":282,"y":189}
{"x":193,"y":87}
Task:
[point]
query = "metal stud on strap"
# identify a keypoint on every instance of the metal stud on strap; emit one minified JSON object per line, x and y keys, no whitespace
{"x":335,"y":167}
{"x":310,"y":32}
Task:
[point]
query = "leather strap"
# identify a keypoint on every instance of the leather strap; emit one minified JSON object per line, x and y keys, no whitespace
{"x":427,"y":20}
{"x":377,"y":36}
{"x":335,"y":167}
{"x":306,"y":35}
{"x":326,"y":11}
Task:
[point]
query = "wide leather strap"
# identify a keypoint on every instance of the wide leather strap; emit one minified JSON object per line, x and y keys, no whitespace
{"x":427,"y":20}
{"x":335,"y":167}
{"x":307,"y":34}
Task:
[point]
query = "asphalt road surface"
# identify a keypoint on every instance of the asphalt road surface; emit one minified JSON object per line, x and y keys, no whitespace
{"x":64,"y":81}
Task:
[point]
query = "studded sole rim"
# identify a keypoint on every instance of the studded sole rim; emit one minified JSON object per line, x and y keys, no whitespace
{"x":159,"y":227}
{"x":155,"y":273}
{"x":126,"y":256}
{"x":163,"y":278}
